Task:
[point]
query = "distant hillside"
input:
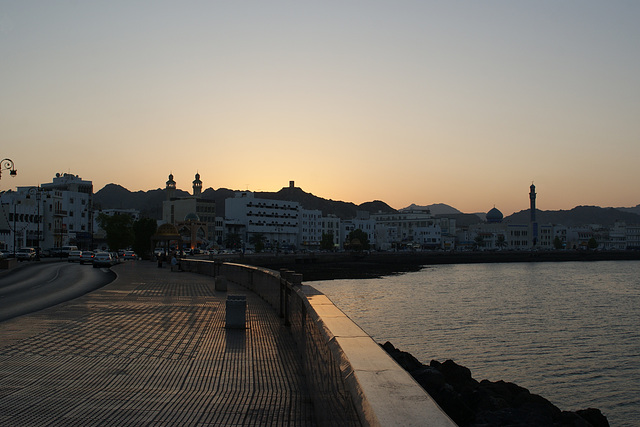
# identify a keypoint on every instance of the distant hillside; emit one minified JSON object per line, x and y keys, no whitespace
{"x":436,"y":209}
{"x":343,"y":210}
{"x":635,"y":210}
{"x":580,"y":215}
{"x":149,"y":203}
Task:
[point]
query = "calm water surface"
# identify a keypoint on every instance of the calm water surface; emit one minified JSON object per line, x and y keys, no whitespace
{"x":567,"y":331}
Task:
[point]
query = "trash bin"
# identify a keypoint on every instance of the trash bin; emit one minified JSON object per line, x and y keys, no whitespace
{"x":236,"y":317}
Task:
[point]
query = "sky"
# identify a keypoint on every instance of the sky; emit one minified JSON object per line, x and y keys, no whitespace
{"x":459,"y":102}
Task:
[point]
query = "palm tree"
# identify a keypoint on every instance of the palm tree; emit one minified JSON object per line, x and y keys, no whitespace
{"x":257,"y":240}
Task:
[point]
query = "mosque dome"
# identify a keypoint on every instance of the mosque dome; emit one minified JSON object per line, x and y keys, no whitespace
{"x":167,"y":230}
{"x":494,"y":215}
{"x":192,"y":217}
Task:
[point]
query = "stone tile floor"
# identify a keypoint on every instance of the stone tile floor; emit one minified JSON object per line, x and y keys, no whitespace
{"x":151,"y":349}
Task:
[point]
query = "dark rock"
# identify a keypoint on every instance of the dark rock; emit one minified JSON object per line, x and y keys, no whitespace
{"x":594,"y":417}
{"x":486,"y":403}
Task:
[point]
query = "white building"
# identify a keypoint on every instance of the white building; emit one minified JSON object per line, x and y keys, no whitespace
{"x":277,"y":221}
{"x":74,"y":200}
{"x":364,"y":222}
{"x":21,"y":221}
{"x":50,"y":216}
{"x":310,"y":229}
{"x":413,"y":229}
{"x":331,"y":226}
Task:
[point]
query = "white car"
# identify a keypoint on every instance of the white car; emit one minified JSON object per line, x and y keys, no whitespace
{"x":26,"y":254}
{"x":86,"y":257}
{"x":130,"y":255}
{"x":74,"y":256}
{"x":103,"y":259}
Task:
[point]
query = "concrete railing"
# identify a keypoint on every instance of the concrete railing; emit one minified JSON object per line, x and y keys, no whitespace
{"x":352,"y":380}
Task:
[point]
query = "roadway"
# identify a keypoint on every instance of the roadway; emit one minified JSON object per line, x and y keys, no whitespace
{"x":37,"y":285}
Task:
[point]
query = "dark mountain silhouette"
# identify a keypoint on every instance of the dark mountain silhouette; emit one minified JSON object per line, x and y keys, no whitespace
{"x":435,"y":209}
{"x":149,"y":203}
{"x":580,"y":215}
{"x":635,"y":210}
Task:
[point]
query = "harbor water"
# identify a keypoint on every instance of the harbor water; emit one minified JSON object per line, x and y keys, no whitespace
{"x":569,"y":331}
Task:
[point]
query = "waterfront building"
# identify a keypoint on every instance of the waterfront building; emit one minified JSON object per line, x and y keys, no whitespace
{"x":632,"y":236}
{"x":276,"y":221}
{"x":560,"y":232}
{"x":219,"y":231}
{"x":616,"y":238}
{"x":50,"y":216}
{"x":182,"y":213}
{"x":21,"y":223}
{"x":578,"y":237}
{"x":331,"y":226}
{"x":310,"y":229}
{"x":410,"y":229}
{"x":363,"y":221}
{"x":74,"y":198}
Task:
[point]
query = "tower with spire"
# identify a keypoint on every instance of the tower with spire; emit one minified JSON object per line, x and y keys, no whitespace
{"x":532,"y":208}
{"x":170,"y":189}
{"x":197,"y":186}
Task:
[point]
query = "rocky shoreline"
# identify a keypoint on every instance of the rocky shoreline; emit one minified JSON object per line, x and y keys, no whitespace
{"x":472,"y":403}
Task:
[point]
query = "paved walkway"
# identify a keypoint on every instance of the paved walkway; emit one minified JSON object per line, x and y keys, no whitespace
{"x":150,"y":349}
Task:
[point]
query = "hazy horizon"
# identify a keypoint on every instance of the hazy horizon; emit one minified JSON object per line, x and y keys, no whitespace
{"x":462,"y":103}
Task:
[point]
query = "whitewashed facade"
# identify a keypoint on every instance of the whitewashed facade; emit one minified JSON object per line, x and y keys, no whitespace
{"x":277,"y":221}
{"x":310,"y":229}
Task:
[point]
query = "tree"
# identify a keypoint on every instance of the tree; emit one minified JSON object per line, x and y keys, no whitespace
{"x":257,"y":240}
{"x":233,"y":241}
{"x":592,"y":243}
{"x":501,"y":242}
{"x":358,"y":240}
{"x":478,"y":241}
{"x":143,"y":230}
{"x":557,"y":243}
{"x":119,"y":229}
{"x":326,"y":243}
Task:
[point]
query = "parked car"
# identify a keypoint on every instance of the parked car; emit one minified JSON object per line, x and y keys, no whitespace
{"x":74,"y":256}
{"x":26,"y":254}
{"x":86,"y":257}
{"x":66,"y":250}
{"x":129,"y":255}
{"x":103,"y":259}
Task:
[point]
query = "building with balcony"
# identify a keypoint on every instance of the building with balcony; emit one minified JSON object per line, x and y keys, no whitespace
{"x":275,"y":220}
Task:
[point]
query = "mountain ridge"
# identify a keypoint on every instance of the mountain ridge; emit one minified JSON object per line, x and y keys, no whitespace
{"x":149,"y":203}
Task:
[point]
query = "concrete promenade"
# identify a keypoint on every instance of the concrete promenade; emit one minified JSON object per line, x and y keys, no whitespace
{"x":151,"y":349}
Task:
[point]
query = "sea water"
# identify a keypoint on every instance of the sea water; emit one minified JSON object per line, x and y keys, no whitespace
{"x":569,"y":332}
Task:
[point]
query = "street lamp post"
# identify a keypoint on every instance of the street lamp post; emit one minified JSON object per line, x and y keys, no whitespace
{"x":7,"y":164}
{"x":38,"y":193}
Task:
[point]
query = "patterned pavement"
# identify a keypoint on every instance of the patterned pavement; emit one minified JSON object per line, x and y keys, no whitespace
{"x":151,"y":348}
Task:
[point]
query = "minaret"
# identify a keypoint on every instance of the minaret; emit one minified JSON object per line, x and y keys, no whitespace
{"x":197,"y":186}
{"x":171,"y":187}
{"x":532,"y":208}
{"x":532,"y":198}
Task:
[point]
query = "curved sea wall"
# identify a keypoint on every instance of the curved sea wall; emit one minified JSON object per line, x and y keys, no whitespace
{"x":352,"y":380}
{"x":345,"y":265}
